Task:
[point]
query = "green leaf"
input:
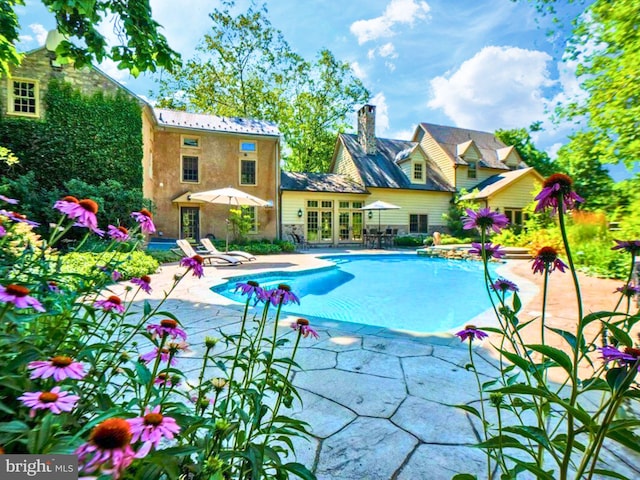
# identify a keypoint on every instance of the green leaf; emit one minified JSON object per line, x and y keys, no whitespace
{"x":570,"y":338}
{"x":500,"y":441}
{"x":533,"y":468}
{"x":626,"y":438}
{"x":619,"y":334}
{"x":144,"y":375}
{"x":146,"y":308}
{"x":299,"y":470}
{"x":468,"y":408}
{"x":616,"y":377}
{"x":609,"y":473}
{"x":14,"y":426}
{"x":532,"y":433}
{"x":592,"y":317}
{"x":523,"y":363}
{"x":517,"y":303}
{"x":464,"y":476}
{"x":554,"y":354}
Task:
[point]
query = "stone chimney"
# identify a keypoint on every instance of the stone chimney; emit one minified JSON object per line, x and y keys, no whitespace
{"x":367,"y":129}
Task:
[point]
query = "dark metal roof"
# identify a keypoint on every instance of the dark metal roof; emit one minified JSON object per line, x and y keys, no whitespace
{"x":319,"y":182}
{"x":450,"y":137}
{"x":213,"y":123}
{"x":380,"y":170}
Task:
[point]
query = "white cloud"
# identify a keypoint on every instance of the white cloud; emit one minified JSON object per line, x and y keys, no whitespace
{"x":111,"y":68}
{"x":390,"y":65}
{"x":40,"y":32}
{"x":25,"y":38}
{"x":552,"y":150}
{"x":387,"y":51}
{"x":500,"y":87}
{"x":358,"y":70}
{"x":382,"y":113}
{"x":403,"y":134}
{"x":397,"y":12}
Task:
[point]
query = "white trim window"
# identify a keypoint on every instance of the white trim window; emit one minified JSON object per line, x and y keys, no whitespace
{"x":23,"y":97}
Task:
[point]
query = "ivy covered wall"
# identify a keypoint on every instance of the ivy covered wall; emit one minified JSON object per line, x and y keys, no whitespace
{"x":93,"y":138}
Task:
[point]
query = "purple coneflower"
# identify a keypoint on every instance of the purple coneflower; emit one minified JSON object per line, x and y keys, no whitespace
{"x":54,"y":401}
{"x":629,"y":290}
{"x":194,"y":263}
{"x":249,"y":289}
{"x":12,"y":201}
{"x":547,"y":257}
{"x":108,"y":449}
{"x":145,"y":219}
{"x":59,"y":367}
{"x":165,"y":379}
{"x":144,"y":282}
{"x":167,"y":326}
{"x":472,"y":333}
{"x":66,"y":204}
{"x":19,"y":296}
{"x":3,"y":230}
{"x":282,"y":295}
{"x":53,"y":287}
{"x":151,"y":429}
{"x":82,"y":211}
{"x":302,"y":325}
{"x":113,"y":303}
{"x":503,"y":285}
{"x":631,"y":246}
{"x":164,"y":353}
{"x":484,"y":220}
{"x":18,"y":217}
{"x":630,"y":355}
{"x":491,"y":250}
{"x":557,"y":187}
{"x":119,"y":234}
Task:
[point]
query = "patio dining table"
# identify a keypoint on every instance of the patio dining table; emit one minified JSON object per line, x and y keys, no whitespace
{"x":381,"y":239}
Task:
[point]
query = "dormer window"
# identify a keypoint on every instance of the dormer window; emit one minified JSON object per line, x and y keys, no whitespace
{"x":472,"y":169}
{"x":418,"y":172}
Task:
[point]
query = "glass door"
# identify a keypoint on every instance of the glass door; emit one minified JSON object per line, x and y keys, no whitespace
{"x":190,"y":223}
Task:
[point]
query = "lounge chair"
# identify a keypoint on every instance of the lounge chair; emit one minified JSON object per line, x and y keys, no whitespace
{"x":209,"y":247}
{"x":221,"y":259}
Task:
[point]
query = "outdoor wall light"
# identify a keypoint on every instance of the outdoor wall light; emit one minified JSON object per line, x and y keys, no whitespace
{"x":370,"y":214}
{"x":299,"y":213}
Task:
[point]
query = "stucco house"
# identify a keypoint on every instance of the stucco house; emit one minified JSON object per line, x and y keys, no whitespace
{"x":182,"y":153}
{"x":421,"y":176}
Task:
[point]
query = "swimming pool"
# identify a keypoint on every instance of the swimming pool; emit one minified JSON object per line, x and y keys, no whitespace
{"x":403,"y":292}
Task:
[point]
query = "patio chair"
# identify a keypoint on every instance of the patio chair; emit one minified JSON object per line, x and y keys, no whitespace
{"x":299,"y":241}
{"x":221,"y":259}
{"x":209,"y":247}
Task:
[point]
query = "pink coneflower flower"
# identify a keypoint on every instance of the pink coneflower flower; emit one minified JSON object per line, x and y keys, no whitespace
{"x":116,"y":275}
{"x":282,"y":295}
{"x":143,"y":282}
{"x":629,"y":290}
{"x":491,"y":250}
{"x":59,"y":367}
{"x":12,"y":201}
{"x":113,"y":303}
{"x":302,"y":325}
{"x":108,"y":449}
{"x":164,"y":353}
{"x":54,"y":401}
{"x":194,"y":263}
{"x":151,"y":429}
{"x":145,"y":219}
{"x":19,"y":296}
{"x":18,"y":218}
{"x":167,"y":326}
{"x":503,"y":285}
{"x":53,"y":287}
{"x":119,"y":234}
{"x":472,"y":333}
{"x":547,"y":257}
{"x":484,"y":220}
{"x":628,"y":356}
{"x":3,"y":231}
{"x":82,"y":211}
{"x":558,"y":187}
{"x":631,"y":246}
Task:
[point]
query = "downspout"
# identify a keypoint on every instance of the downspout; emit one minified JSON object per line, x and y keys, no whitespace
{"x":278,"y":193}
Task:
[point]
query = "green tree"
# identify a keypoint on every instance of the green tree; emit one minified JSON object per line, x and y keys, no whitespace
{"x":245,"y":67}
{"x":580,"y":159}
{"x":141,"y":46}
{"x":520,"y":138}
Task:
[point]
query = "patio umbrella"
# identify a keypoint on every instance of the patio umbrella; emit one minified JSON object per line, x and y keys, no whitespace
{"x":231,"y":197}
{"x":380,"y":205}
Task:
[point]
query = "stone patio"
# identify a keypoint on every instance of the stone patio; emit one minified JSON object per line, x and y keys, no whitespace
{"x":377,"y":401}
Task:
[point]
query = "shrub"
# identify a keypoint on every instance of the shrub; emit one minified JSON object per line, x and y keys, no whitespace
{"x":163,"y":256}
{"x":129,"y":265}
{"x":409,"y":241}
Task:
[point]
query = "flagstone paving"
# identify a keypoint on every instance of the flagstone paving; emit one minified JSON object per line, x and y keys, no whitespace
{"x":378,"y":402}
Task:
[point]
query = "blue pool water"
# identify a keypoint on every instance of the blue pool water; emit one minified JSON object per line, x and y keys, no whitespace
{"x":404,"y":292}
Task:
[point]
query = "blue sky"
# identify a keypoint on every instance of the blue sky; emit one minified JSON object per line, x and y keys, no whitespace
{"x":478,"y":64}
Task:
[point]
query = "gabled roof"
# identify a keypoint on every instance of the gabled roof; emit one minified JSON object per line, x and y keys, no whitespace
{"x":319,"y":182}
{"x":451,"y":139}
{"x":380,"y":170}
{"x":495,"y":183}
{"x":214,"y":123}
